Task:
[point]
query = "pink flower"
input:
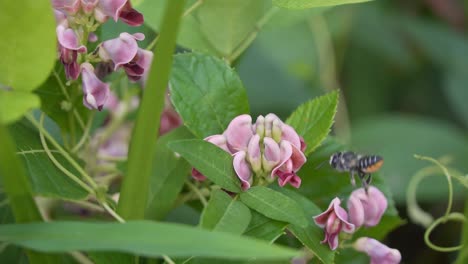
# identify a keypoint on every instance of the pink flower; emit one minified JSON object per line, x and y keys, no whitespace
{"x":268,"y":147}
{"x":333,"y":221}
{"x":378,"y":252}
{"x":170,"y":119}
{"x":95,"y":92}
{"x":366,"y":209}
{"x":120,"y":9}
{"x":69,"y":47}
{"x":124,"y":52}
{"x":69,"y":7}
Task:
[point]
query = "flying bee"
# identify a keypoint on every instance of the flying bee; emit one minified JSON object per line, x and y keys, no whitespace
{"x":362,"y":165}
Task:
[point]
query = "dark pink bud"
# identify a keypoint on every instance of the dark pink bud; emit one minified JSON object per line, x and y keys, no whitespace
{"x":121,"y":9}
{"x":378,"y":252}
{"x":198,"y":175}
{"x":333,"y":221}
{"x":288,"y":177}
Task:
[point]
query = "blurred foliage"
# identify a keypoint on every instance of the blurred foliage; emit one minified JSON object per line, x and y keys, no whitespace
{"x":401,"y":66}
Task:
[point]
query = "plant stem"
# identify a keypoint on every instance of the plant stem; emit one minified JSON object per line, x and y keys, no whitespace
{"x":253,"y":34}
{"x":85,"y":136}
{"x":62,"y":151}
{"x":56,"y":163}
{"x":112,"y":212}
{"x":135,"y":184}
{"x":197,"y":192}
{"x":18,"y":189}
{"x":328,"y":74}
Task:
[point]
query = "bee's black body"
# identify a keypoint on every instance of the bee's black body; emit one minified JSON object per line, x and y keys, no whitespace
{"x":356,"y":164}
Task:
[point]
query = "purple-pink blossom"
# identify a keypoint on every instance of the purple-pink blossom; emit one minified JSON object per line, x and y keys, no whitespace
{"x":267,"y":148}
{"x":366,"y":208}
{"x":333,"y":221}
{"x":124,"y":52}
{"x":95,"y":92}
{"x":378,"y":252}
{"x":69,"y":47}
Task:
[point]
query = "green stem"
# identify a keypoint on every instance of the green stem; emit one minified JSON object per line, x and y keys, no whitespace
{"x":328,"y":72}
{"x":85,"y":135}
{"x":135,"y":185}
{"x":62,"y":151}
{"x":57,"y":163}
{"x":449,"y":181}
{"x":463,"y":255}
{"x":454,"y":217}
{"x":253,"y":34}
{"x":415,"y":213}
{"x":194,"y":189}
{"x":18,"y":189}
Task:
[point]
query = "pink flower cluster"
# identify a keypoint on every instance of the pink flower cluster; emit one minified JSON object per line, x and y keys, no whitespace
{"x":365,"y":209}
{"x":269,"y":148}
{"x":77,"y":20}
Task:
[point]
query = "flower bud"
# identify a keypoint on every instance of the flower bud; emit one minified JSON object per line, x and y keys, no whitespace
{"x":378,"y":252}
{"x":276,"y":130}
{"x":254,"y":154}
{"x":95,"y":92}
{"x":271,"y":154}
{"x":366,"y":208}
{"x":260,"y":126}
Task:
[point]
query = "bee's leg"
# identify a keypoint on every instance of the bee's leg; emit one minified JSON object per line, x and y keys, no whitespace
{"x":353,"y":181}
{"x":369,"y":179}
{"x":365,"y":181}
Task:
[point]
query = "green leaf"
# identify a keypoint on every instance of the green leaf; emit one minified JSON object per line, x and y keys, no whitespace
{"x":210,"y":160}
{"x":219,"y":27}
{"x":455,"y":89}
{"x":312,"y":235}
{"x":314,"y":119}
{"x":46,"y":179}
{"x":302,"y":4}
{"x":264,"y":228}
{"x":18,"y":190}
{"x":207,"y":93}
{"x":168,"y":177}
{"x":226,"y":214}
{"x":139,"y":237}
{"x":28,"y":46}
{"x":274,"y":205}
{"x":135,"y":186}
{"x":14,"y":104}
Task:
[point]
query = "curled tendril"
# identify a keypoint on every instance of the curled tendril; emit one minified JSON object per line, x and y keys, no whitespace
{"x":425,"y":219}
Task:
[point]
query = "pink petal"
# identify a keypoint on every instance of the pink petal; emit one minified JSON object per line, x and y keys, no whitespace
{"x":68,"y":39}
{"x":242,"y":169}
{"x":254,"y":153}
{"x":121,"y":50}
{"x":67,"y":6}
{"x":288,"y":177}
{"x":220,"y":141}
{"x":271,"y":154}
{"x":291,"y":135}
{"x":321,"y":219}
{"x":239,"y":132}
{"x":198,"y":175}
{"x":95,"y":92}
{"x":298,"y":158}
{"x":88,"y":5}
{"x":356,"y":211}
{"x":343,"y":216}
{"x":333,"y":241}
{"x":72,"y":70}
{"x":130,"y":16}
{"x":112,"y":8}
{"x":285,"y":155}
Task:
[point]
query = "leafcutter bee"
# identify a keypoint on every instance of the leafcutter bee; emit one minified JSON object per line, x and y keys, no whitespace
{"x":362,"y":165}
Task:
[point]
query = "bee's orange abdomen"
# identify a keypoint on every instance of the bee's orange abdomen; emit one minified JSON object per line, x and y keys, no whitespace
{"x":374,"y":167}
